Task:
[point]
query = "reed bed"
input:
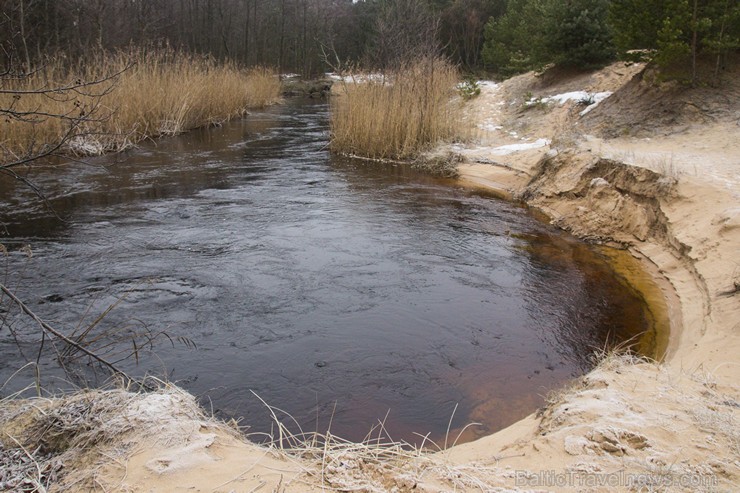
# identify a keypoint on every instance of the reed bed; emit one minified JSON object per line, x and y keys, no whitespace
{"x":397,"y":116}
{"x":135,"y":95}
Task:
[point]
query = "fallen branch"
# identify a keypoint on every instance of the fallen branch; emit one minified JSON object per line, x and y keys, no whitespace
{"x":51,"y":330}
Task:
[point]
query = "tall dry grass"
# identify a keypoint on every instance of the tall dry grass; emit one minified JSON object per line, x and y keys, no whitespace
{"x":161,"y":92}
{"x":399,"y":115}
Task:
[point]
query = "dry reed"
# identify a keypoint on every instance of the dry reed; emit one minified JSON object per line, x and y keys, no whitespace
{"x":397,"y":116}
{"x":161,"y":92}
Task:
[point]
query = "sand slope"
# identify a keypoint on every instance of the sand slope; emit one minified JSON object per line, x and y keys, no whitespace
{"x":670,"y":196}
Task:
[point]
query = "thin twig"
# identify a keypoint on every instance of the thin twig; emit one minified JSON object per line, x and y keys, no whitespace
{"x":71,"y":87}
{"x":59,"y":335}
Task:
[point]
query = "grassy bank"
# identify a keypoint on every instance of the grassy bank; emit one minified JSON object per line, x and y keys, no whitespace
{"x":396,"y":116}
{"x":154,"y":93}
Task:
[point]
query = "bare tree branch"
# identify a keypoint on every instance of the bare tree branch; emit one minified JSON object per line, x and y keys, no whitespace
{"x":79,"y":84}
{"x":51,"y":330}
{"x":71,"y":131}
{"x":75,"y":119}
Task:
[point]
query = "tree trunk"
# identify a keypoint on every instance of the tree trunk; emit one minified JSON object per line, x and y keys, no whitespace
{"x":282,"y":36}
{"x":719,"y":43}
{"x":304,"y":51}
{"x":22,"y":20}
{"x":101,"y":12}
{"x":246,"y":34}
{"x":694,"y":36}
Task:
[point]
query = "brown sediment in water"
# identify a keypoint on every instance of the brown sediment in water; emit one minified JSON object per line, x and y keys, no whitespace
{"x":658,"y":295}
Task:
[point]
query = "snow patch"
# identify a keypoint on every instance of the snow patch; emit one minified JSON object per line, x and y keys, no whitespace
{"x":567,"y":96}
{"x":86,"y":146}
{"x":597,"y":99}
{"x":488,"y":84}
{"x":152,"y":407}
{"x":511,"y":148}
{"x":489,"y":126}
{"x":592,"y":98}
{"x":357,"y":78}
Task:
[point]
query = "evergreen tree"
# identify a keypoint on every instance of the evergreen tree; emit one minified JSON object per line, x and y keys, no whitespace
{"x":724,"y":36}
{"x":515,"y":42}
{"x":679,"y":31}
{"x":462,"y":27}
{"x":672,"y":35}
{"x":533,"y":33}
{"x":578,"y":33}
{"x":636,"y":23}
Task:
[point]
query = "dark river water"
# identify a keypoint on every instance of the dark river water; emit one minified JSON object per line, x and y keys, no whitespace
{"x":336,"y":290}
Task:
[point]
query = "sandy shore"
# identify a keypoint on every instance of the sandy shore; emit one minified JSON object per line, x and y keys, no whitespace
{"x":672,"y":199}
{"x":669,"y":193}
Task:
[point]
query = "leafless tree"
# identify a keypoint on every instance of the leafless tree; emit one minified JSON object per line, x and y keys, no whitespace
{"x":404,"y":30}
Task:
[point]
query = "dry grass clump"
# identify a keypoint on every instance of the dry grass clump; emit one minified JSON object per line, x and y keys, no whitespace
{"x":168,"y":95}
{"x":155,"y":93}
{"x":67,"y":441}
{"x":375,"y":464}
{"x":443,"y":165}
{"x":378,"y":463}
{"x":396,"y":116}
{"x":64,"y":440}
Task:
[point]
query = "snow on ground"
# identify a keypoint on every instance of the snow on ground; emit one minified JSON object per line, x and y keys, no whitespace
{"x":489,"y":125}
{"x":597,"y":98}
{"x":564,"y":97}
{"x":592,"y":99}
{"x":357,"y":78}
{"x":525,"y":146}
{"x":488,"y":84}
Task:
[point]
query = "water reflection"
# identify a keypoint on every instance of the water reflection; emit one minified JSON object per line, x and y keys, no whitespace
{"x":582,"y":282}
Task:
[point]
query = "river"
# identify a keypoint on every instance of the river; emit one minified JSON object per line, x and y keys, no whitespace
{"x":343,"y":292}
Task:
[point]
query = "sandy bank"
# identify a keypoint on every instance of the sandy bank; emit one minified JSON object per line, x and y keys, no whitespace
{"x":629,"y":425}
{"x":670,"y":197}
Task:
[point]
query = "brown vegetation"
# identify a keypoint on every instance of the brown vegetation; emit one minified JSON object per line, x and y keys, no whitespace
{"x":153,"y":94}
{"x":397,"y":116}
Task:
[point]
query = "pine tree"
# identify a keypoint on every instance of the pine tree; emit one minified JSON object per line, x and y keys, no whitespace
{"x":534,"y":33}
{"x":578,"y":33}
{"x":515,"y":42}
{"x":681,"y":32}
{"x":724,"y":35}
{"x":635,"y":23}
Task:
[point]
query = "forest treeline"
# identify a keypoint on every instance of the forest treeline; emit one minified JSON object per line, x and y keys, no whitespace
{"x":501,"y":36}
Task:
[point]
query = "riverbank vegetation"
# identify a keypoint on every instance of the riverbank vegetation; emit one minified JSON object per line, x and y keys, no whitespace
{"x":66,"y":83}
{"x":397,"y":115}
{"x":108,"y":101}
